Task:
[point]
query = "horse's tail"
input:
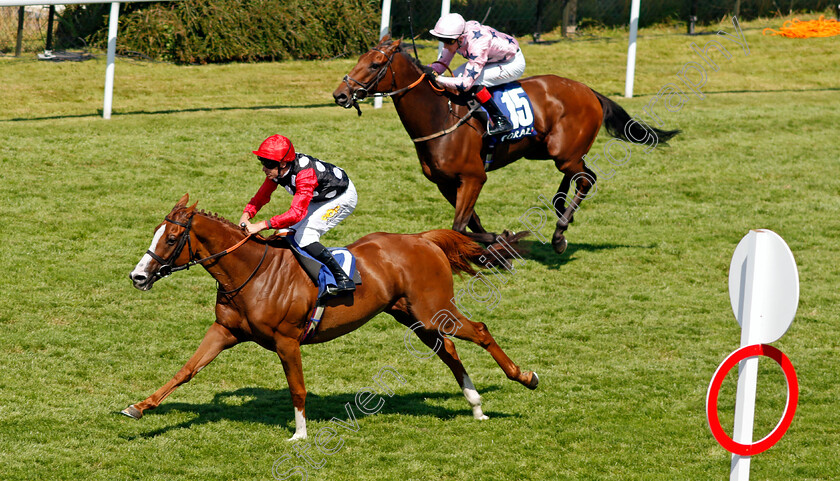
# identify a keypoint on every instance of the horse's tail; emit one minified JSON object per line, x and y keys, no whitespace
{"x":616,"y":121}
{"x":461,"y":251}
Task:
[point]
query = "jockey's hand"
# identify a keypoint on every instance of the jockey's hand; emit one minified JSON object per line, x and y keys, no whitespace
{"x":254,"y":228}
{"x":430,"y":72}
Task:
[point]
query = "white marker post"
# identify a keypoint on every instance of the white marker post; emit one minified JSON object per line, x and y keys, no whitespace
{"x":764,"y":293}
{"x":444,"y":10}
{"x":113,"y":21}
{"x":631,"y":49}
{"x":384,"y":25}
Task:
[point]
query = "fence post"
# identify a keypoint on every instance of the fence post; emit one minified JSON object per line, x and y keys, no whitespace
{"x":538,"y":27}
{"x":50,"y":18}
{"x":113,"y":22}
{"x":384,"y":25}
{"x":692,"y":17}
{"x":631,"y":49}
{"x":569,"y":25}
{"x":19,"y":43}
{"x":444,"y":9}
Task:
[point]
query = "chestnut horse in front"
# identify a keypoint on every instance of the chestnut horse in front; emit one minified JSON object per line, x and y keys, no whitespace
{"x":265,"y":296}
{"x":451,"y":146}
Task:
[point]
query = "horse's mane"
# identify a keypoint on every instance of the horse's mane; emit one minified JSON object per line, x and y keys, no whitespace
{"x":401,"y":50}
{"x":217,"y":217}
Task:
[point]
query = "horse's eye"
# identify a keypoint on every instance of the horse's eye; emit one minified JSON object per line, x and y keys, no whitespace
{"x":171,"y":240}
{"x":374,"y":66}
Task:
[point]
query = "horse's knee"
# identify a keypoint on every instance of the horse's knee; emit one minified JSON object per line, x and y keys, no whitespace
{"x":483,"y":337}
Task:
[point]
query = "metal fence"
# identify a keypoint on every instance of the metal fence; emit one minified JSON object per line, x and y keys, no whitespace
{"x":28,"y":24}
{"x":516,"y":17}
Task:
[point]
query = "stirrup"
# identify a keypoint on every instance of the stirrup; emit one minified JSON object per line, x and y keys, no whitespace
{"x":342,"y":287}
{"x":501,"y":126}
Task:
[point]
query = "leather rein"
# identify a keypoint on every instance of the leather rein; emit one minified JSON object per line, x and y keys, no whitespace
{"x":167,"y":267}
{"x":380,"y":74}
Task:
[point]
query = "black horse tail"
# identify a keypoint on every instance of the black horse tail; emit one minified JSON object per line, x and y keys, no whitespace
{"x":620,"y":125}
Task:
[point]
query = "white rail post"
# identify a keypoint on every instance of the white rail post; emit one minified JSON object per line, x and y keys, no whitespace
{"x":444,"y":9}
{"x":631,"y":49}
{"x":384,"y":25}
{"x":113,"y":20}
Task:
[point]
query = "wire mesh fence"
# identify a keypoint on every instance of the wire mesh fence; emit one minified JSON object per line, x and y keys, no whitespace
{"x":515,"y":17}
{"x":24,"y":29}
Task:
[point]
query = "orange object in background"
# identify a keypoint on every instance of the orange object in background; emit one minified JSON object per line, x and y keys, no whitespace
{"x":812,"y":28}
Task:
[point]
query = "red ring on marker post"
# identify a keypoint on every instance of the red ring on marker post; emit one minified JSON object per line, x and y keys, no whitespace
{"x":714,"y":390}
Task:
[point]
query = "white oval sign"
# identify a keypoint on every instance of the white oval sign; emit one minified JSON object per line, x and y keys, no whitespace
{"x":763,"y":286}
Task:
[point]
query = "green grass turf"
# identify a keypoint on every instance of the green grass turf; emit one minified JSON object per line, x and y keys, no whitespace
{"x":625,"y":329}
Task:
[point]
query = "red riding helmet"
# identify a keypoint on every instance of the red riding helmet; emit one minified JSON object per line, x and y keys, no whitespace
{"x":277,"y":148}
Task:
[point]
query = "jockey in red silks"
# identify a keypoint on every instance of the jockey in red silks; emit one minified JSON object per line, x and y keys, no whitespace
{"x":493,"y":58}
{"x":323,"y":196}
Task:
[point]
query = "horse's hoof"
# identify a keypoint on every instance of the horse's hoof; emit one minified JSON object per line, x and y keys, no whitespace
{"x":296,"y":437}
{"x":132,"y":412}
{"x":560,"y":245}
{"x":535,"y":380}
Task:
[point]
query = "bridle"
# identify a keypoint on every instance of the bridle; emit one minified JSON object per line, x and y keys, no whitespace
{"x":380,"y":74}
{"x":354,"y":98}
{"x":167,"y":266}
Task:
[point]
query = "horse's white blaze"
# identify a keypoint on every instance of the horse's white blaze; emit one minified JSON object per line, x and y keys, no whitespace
{"x":300,"y":426}
{"x":143,"y":265}
{"x":473,"y":397}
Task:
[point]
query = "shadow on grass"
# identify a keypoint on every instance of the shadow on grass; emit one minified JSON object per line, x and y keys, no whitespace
{"x":545,"y":255}
{"x":273,"y":407}
{"x":171,"y":111}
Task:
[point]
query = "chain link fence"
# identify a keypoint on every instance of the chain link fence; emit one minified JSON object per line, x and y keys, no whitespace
{"x":515,"y":17}
{"x":29,"y":24}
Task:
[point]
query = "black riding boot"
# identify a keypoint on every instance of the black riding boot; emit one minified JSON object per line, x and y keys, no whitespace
{"x":323,"y":255}
{"x":500,"y":123}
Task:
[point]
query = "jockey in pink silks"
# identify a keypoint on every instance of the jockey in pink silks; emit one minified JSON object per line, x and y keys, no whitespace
{"x":493,"y":58}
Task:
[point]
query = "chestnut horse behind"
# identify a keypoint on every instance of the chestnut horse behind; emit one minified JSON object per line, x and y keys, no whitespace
{"x":264,"y":296}
{"x":451,"y":146}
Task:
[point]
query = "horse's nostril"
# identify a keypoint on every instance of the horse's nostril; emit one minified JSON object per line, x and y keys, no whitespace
{"x":340,"y":98}
{"x":138,"y":278}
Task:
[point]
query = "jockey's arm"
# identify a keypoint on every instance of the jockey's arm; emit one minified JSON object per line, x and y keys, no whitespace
{"x":305,"y":184}
{"x":261,"y":198}
{"x":476,"y":59}
{"x":443,"y":61}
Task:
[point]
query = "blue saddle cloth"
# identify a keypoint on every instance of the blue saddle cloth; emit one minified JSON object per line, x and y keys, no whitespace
{"x":324,"y":276}
{"x":516,"y":105}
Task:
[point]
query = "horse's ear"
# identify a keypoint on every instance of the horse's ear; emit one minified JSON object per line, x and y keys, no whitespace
{"x":192,"y":207}
{"x":385,"y":39}
{"x":183,"y":202}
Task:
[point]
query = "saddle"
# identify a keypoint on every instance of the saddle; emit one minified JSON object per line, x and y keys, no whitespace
{"x":318,"y":273}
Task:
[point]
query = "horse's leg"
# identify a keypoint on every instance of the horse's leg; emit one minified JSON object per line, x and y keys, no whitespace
{"x":450,"y":193}
{"x":585,"y":181}
{"x":463,"y":328}
{"x":289,"y":351}
{"x":217,"y":339}
{"x":558,"y":240}
{"x":445,"y":350}
{"x":467,"y":194}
